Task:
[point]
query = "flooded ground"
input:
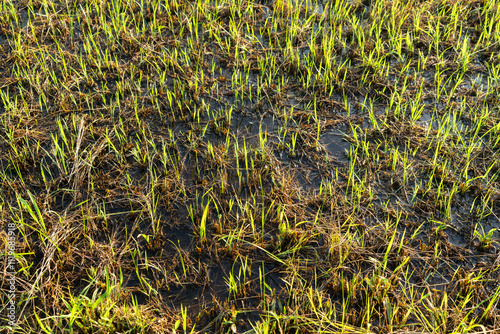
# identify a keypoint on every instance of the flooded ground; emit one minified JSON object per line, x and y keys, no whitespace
{"x":251,"y":167}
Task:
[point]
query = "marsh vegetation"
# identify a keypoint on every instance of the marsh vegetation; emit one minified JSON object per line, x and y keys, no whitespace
{"x":251,"y":167}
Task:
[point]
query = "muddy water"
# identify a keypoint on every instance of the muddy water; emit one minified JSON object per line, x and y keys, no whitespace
{"x":336,"y":146}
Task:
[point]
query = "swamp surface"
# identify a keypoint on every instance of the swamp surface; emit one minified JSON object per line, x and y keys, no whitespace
{"x":177,"y":166}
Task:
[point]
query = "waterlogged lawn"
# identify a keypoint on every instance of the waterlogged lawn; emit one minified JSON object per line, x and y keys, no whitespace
{"x":250,"y":167}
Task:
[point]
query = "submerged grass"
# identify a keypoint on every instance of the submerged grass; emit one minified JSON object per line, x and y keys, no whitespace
{"x":258,"y":167}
